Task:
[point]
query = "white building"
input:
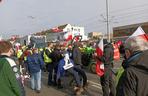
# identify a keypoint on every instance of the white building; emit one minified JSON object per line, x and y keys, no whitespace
{"x":64,"y":32}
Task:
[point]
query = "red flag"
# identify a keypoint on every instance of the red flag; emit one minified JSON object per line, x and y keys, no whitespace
{"x":139,"y":33}
{"x":119,"y":43}
{"x":77,"y":38}
{"x":99,"y":64}
{"x":69,"y":38}
{"x":56,"y":29}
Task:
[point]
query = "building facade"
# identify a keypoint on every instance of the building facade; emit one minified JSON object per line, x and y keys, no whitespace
{"x":65,"y":32}
{"x":94,"y":35}
{"x":125,"y":31}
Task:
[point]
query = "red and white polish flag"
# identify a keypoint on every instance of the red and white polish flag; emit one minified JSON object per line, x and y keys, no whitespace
{"x":139,"y":33}
{"x":99,"y":64}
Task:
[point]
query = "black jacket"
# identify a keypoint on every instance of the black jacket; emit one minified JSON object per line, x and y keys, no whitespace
{"x":134,"y":80}
{"x":108,"y":55}
{"x":76,"y":54}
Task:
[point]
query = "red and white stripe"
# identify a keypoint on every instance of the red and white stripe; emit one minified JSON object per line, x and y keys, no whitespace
{"x":99,"y":64}
{"x":139,"y":33}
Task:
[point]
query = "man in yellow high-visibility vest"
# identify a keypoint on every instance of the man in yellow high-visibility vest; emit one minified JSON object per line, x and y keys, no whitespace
{"x":48,"y":61}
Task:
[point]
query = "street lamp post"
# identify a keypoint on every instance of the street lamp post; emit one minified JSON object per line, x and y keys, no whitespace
{"x":107,"y":21}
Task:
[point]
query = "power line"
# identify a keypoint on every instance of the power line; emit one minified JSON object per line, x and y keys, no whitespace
{"x":130,"y":19}
{"x":86,"y":19}
{"x":117,"y":12}
{"x":129,"y":8}
{"x":125,"y":13}
{"x":128,"y":14}
{"x":117,"y":17}
{"x":133,"y":12}
{"x":103,"y":26}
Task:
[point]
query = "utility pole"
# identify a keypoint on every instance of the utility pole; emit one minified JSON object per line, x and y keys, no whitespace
{"x":107,"y":20}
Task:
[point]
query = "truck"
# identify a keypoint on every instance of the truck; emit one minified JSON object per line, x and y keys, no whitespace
{"x":36,"y":41}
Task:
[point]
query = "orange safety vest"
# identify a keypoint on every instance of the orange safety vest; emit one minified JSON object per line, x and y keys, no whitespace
{"x":116,"y":52}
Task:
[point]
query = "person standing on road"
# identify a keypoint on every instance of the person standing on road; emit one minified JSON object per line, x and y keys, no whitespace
{"x":56,"y":57}
{"x":35,"y":64}
{"x":48,"y":54}
{"x":134,"y":79}
{"x":107,"y":81}
{"x":76,"y":55}
{"x":10,"y":79}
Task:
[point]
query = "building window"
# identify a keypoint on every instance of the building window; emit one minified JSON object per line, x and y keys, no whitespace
{"x":75,"y":29}
{"x":72,"y":28}
{"x":68,"y":29}
{"x":78,"y":30}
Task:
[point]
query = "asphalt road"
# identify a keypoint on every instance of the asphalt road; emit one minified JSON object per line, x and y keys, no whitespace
{"x":94,"y":87}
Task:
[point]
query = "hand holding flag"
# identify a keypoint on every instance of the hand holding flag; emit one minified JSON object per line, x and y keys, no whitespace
{"x":99,"y":64}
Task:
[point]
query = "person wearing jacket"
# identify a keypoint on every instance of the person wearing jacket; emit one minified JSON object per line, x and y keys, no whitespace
{"x":48,"y":55}
{"x":107,"y":81}
{"x":77,"y":56}
{"x":56,"y":57}
{"x":67,"y":64}
{"x":35,"y":64}
{"x":134,"y":79}
{"x":10,"y":79}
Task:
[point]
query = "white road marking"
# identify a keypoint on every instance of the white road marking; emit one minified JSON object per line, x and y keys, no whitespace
{"x":94,"y":84}
{"x":97,"y":86}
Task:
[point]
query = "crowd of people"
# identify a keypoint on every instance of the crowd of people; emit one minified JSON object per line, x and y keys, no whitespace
{"x":132,"y":78}
{"x":53,"y":59}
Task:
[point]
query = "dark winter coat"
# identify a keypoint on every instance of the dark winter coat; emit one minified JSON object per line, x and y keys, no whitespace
{"x":108,"y":55}
{"x":134,"y":80}
{"x":76,"y":54}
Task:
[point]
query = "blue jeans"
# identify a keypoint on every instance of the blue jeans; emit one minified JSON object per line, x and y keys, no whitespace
{"x":82,"y":73}
{"x":36,"y":80}
{"x":76,"y":76}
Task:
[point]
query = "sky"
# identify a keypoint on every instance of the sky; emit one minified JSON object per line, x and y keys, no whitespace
{"x":23,"y":17}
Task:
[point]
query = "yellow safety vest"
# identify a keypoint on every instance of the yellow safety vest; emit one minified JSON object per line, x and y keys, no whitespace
{"x":46,"y":58}
{"x":19,"y":53}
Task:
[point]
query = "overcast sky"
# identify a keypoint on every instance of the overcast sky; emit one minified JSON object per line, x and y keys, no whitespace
{"x":22,"y":17}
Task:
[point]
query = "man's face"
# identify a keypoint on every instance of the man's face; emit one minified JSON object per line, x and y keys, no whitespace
{"x":127,"y":53}
{"x":36,"y":51}
{"x":11,"y":52}
{"x":50,"y":46}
